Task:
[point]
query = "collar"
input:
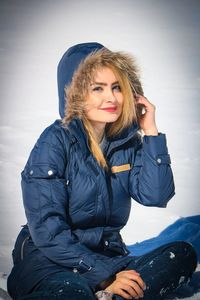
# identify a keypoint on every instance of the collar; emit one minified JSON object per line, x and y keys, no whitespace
{"x":77,"y":130}
{"x":123,"y":137}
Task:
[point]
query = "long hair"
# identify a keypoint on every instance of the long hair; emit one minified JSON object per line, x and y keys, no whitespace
{"x":126,"y":72}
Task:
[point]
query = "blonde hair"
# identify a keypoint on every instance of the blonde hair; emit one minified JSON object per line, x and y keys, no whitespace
{"x":126,"y":72}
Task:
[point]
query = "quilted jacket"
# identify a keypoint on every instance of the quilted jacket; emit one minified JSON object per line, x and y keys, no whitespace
{"x":75,"y":209}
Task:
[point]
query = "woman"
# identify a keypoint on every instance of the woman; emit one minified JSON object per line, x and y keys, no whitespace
{"x":78,"y":183}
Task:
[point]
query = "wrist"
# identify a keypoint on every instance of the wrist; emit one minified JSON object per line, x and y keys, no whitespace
{"x":105,"y":283}
{"x":151,"y":131}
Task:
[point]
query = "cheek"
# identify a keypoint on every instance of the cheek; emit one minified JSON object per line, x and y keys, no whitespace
{"x":93,"y":104}
{"x":91,"y":112}
{"x":90,"y":108}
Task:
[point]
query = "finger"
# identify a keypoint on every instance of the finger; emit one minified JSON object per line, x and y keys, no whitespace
{"x":132,"y":287}
{"x":131,"y":292}
{"x":143,"y":100}
{"x":135,"y":277}
{"x":136,"y":289}
{"x":140,"y":282}
{"x":123,"y":293}
{"x":131,"y":272}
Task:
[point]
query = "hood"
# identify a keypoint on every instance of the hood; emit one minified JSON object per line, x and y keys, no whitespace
{"x":68,"y":64}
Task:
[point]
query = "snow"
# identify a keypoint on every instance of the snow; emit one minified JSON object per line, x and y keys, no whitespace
{"x":146,"y":222}
{"x":3,"y":287}
{"x":172,"y":255}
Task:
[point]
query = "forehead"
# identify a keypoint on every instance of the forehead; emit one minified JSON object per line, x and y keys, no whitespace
{"x":104,"y":74}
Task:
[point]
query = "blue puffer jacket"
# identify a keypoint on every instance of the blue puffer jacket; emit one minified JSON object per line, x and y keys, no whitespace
{"x":74,"y":208}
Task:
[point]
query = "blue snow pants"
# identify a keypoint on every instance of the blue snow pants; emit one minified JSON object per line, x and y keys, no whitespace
{"x":163,"y":270}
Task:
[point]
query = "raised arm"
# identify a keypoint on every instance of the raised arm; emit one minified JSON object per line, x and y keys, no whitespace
{"x":151,"y":180}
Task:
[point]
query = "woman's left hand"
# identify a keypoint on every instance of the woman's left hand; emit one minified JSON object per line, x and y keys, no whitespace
{"x":147,"y":119}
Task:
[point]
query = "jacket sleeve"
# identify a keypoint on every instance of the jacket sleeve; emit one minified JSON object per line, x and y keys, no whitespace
{"x":45,"y":200}
{"x":151,"y":180}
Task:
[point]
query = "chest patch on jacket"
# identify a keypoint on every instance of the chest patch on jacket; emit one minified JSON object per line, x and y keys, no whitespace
{"x":121,"y":168}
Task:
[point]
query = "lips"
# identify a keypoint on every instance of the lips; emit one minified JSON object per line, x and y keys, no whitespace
{"x":110,"y":109}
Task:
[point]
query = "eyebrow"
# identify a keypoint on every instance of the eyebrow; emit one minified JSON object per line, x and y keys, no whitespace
{"x":103,"y":83}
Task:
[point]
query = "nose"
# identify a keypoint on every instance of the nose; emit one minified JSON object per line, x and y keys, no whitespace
{"x":110,"y":96}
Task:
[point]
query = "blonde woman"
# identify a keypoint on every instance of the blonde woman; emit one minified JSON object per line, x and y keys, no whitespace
{"x":78,"y":183}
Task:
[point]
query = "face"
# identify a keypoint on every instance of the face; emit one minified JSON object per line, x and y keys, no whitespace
{"x":104,"y":101}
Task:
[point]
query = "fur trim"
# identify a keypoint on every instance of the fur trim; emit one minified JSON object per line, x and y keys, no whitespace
{"x":83,"y":76}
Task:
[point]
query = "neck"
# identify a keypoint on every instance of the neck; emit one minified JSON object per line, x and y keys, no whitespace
{"x":99,"y":129}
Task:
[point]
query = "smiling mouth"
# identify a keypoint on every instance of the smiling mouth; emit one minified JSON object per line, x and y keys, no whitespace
{"x":109,"y":109}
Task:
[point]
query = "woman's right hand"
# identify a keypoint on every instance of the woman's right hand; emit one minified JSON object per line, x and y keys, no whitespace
{"x":128,"y":284}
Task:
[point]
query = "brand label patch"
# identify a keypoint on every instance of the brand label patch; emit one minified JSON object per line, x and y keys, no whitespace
{"x":117,"y":169}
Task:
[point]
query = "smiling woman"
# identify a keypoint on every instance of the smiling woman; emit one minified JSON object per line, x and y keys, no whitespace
{"x":107,"y":89}
{"x":77,"y":190}
{"x":104,"y":102}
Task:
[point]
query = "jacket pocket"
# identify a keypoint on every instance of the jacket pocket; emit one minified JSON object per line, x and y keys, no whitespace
{"x":121,"y":178}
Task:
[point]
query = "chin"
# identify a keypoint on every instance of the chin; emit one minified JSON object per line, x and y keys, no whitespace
{"x":105,"y":119}
{"x":111,"y":120}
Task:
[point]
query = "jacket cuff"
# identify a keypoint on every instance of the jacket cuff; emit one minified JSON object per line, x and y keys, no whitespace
{"x":105,"y":283}
{"x":155,"y":147}
{"x":96,"y":274}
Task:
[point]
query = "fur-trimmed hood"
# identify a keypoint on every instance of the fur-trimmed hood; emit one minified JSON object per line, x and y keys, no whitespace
{"x":85,"y":56}
{"x":68,"y":64}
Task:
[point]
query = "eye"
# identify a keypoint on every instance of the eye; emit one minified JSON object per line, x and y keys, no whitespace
{"x":97,"y":89}
{"x":116,"y":88}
